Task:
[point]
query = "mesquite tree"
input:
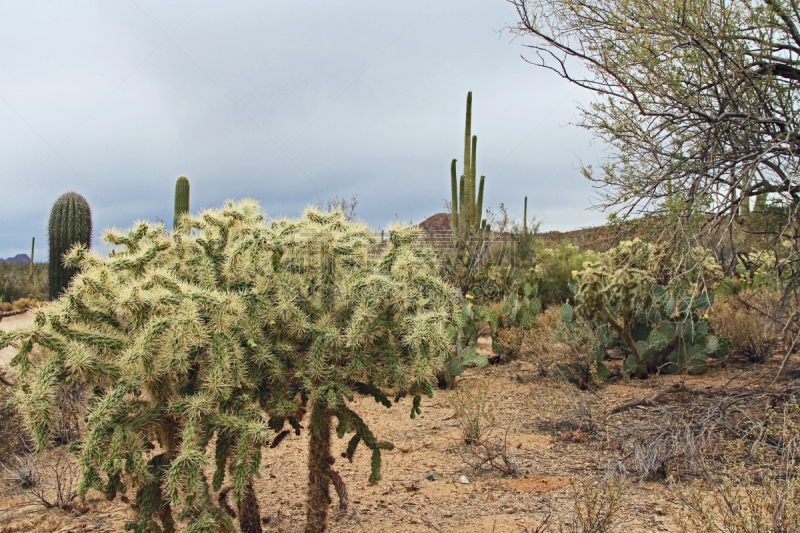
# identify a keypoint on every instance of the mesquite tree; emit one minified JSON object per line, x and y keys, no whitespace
{"x":219,"y":332}
{"x":699,"y":102}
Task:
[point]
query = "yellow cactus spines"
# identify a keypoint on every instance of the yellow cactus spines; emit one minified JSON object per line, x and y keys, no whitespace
{"x":205,"y":333}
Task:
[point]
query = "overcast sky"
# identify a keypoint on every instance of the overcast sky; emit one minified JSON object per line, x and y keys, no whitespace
{"x":284,"y":102}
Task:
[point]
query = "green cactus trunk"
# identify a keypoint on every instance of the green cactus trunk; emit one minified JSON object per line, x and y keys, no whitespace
{"x":454,"y":201}
{"x":181,"y":199}
{"x":70,"y":224}
{"x":525,"y":217}
{"x":467,"y":139}
{"x":462,"y":200}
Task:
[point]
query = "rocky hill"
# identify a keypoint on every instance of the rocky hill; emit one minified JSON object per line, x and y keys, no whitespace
{"x":19,"y":258}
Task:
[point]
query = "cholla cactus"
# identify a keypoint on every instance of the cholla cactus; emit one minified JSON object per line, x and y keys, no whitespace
{"x":205,"y":333}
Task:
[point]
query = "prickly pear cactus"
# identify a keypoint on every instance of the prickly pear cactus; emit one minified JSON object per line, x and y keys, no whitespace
{"x":505,"y":299}
{"x":626,"y":301}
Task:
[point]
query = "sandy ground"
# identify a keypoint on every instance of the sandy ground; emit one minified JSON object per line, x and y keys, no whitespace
{"x":405,"y":501}
{"x":10,"y":323}
{"x":531,"y":412}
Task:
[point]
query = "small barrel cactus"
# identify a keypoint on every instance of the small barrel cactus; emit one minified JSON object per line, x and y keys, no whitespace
{"x":70,"y":224}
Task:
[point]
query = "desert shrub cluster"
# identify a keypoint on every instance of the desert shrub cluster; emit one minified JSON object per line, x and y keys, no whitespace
{"x":17,"y":289}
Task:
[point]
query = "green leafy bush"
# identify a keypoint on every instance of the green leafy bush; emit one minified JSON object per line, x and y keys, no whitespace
{"x":554,"y":267}
{"x":194,"y":339}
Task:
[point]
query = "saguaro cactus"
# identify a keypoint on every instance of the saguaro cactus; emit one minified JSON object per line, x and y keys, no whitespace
{"x":70,"y":223}
{"x":181,"y":199}
{"x":466,"y":209}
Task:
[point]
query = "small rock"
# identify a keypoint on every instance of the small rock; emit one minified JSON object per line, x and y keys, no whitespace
{"x":433,"y":476}
{"x":463,"y":479}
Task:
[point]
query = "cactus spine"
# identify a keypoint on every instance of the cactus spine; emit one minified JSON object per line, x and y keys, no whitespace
{"x":466,"y":209}
{"x":181,"y":199}
{"x":70,"y":224}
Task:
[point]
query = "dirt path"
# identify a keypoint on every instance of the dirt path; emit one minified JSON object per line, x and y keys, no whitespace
{"x":11,"y":323}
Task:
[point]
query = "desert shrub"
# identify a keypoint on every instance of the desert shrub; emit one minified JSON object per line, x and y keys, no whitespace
{"x":740,"y":504}
{"x":46,"y":479}
{"x":540,"y":346}
{"x":483,"y":445}
{"x":760,"y":494}
{"x":581,"y":363}
{"x":595,"y":505}
{"x":758,"y":305}
{"x":527,"y":236}
{"x":16,"y":283}
{"x":554,"y":267}
{"x":199,"y":336}
{"x":474,"y":413}
{"x":744,"y":320}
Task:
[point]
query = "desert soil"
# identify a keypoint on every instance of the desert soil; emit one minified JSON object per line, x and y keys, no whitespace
{"x":535,"y":412}
{"x":10,"y":323}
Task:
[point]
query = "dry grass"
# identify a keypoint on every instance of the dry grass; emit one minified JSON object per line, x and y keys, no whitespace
{"x":744,"y":319}
{"x":19,"y":304}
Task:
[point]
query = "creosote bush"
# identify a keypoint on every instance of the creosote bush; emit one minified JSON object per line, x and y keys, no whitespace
{"x":221,"y":333}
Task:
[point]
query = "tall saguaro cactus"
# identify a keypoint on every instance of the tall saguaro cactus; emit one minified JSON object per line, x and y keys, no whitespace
{"x":466,"y":209}
{"x":70,"y":224}
{"x":181,"y":199}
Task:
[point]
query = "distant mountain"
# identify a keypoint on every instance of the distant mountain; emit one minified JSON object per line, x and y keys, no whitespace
{"x":19,"y":258}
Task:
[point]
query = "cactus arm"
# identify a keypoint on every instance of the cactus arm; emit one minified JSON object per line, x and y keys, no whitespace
{"x":744,"y":205}
{"x":33,"y":244}
{"x":524,"y":214}
{"x":472,"y":214}
{"x":479,"y":206}
{"x":468,"y":135}
{"x":462,"y":198}
{"x":454,"y":193}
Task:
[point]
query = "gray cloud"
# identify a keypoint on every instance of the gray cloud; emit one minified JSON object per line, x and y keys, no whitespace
{"x":365,"y":98}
